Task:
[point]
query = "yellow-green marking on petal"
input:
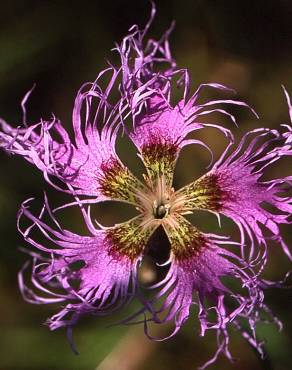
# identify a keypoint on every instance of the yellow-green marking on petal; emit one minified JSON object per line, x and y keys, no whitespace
{"x":118,"y":183}
{"x":130,"y":238}
{"x":159,"y":159}
{"x":204,"y":193}
{"x":186,"y":240}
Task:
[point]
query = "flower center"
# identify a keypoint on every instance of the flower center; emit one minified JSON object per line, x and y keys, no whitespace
{"x":160,"y":210}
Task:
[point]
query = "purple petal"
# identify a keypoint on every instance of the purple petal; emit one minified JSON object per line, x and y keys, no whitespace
{"x":95,"y":274}
{"x":88,"y":165}
{"x":234,"y":188}
{"x":160,"y":127}
{"x":198,"y":263}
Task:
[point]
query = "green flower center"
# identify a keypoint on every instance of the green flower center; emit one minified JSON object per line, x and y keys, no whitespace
{"x":158,"y":205}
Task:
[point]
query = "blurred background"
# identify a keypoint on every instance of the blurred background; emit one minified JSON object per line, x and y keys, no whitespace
{"x":59,"y":45}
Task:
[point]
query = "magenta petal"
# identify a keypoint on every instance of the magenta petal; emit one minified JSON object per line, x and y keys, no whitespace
{"x":245,"y":195}
{"x":149,"y":76}
{"x":235,"y":187}
{"x":197,"y":280}
{"x":89,"y":273}
{"x":79,"y":163}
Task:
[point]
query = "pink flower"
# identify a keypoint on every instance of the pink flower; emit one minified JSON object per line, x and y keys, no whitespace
{"x":97,"y":273}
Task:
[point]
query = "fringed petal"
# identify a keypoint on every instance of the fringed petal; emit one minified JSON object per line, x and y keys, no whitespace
{"x":91,"y":274}
{"x":234,"y":187}
{"x":198,"y":263}
{"x":159,"y":126}
{"x":88,"y":165}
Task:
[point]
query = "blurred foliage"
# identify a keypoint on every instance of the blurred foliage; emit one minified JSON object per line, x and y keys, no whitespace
{"x":59,"y":45}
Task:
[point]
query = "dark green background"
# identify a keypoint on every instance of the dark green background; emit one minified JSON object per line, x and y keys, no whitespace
{"x":59,"y":45}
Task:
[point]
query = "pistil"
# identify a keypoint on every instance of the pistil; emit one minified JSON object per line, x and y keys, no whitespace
{"x":160,"y":210}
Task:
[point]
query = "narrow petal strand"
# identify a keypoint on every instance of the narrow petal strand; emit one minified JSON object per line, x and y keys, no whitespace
{"x":93,"y":274}
{"x":288,"y":134}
